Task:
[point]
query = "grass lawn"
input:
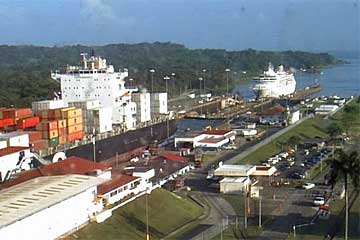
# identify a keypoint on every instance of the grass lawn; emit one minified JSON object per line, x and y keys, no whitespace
{"x":312,"y":127}
{"x":350,"y":120}
{"x":167,"y":212}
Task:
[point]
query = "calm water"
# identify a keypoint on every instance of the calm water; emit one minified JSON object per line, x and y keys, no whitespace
{"x":342,"y":80}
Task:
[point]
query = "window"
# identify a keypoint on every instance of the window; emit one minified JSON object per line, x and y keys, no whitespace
{"x":113,"y":193}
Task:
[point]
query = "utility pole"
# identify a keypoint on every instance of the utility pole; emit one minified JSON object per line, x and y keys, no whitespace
{"x":245,"y":211}
{"x":204,"y":71}
{"x":94,"y":145}
{"x":259,"y":212}
{"x":200,"y":80}
{"x":166,"y":78}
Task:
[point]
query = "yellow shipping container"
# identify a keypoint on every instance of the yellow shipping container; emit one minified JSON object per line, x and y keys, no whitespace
{"x":71,"y":113}
{"x":74,"y":128}
{"x":62,"y":123}
{"x":50,"y":134}
{"x":74,"y":121}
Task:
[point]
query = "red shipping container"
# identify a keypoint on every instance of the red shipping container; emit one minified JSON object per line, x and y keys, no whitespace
{"x":28,"y":122}
{"x":40,"y":144}
{"x":17,"y":113}
{"x":46,"y":125}
{"x":1,"y":123}
{"x":1,"y":112}
{"x":75,"y":136}
{"x":8,"y":122}
{"x":34,"y":136}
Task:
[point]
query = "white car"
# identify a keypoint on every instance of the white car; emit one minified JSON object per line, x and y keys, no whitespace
{"x":318,"y":201}
{"x":308,"y":186}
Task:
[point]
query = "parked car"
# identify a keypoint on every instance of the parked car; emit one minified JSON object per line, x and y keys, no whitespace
{"x":308,"y":186}
{"x":319,"y":200}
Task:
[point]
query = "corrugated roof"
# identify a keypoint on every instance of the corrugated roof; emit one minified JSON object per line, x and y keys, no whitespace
{"x":211,"y":140}
{"x":71,"y":165}
{"x":115,"y":182}
{"x":276,"y":110}
{"x":23,"y":200}
{"x":10,"y":150}
{"x":173,"y":157}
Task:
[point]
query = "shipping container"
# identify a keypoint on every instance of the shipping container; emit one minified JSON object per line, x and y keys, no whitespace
{"x":6,"y":122}
{"x":74,"y":121}
{"x":1,"y":112}
{"x":62,"y":123}
{"x":17,"y":113}
{"x":34,"y":136}
{"x":63,"y":139}
{"x":62,"y":131}
{"x":86,"y":105}
{"x":75,"y":136}
{"x":47,"y":104}
{"x":3,"y":144}
{"x":40,"y":145}
{"x":46,"y":125}
{"x":71,"y":113}
{"x":50,"y":134}
{"x":28,"y":122}
{"x":16,"y":139}
{"x":53,"y":142}
{"x":74,"y":128}
{"x":49,"y":114}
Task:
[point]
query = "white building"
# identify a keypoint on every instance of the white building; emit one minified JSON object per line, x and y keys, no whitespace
{"x":143,"y":105}
{"x":13,"y":160}
{"x":228,"y":170}
{"x":235,"y":185}
{"x":48,"y":207}
{"x":159,"y":103}
{"x":96,"y":80}
{"x":326,"y":109}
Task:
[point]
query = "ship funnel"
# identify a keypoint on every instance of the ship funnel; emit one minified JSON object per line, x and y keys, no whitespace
{"x":271,"y":67}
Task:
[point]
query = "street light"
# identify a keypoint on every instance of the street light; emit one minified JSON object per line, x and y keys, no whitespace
{"x":93,"y":142}
{"x":204,"y":71}
{"x":173,"y":76}
{"x":147,"y":215}
{"x":200,"y":80}
{"x":166,"y":78}
{"x":152,"y":71}
{"x":227,"y":81}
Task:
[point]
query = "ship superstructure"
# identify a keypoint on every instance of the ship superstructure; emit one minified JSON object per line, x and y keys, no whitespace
{"x":273,"y":83}
{"x":94,"y":79}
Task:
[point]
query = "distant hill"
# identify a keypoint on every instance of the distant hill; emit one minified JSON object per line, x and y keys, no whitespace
{"x":25,"y":70}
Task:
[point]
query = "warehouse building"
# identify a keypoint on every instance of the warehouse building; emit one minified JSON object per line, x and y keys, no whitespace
{"x":48,"y":207}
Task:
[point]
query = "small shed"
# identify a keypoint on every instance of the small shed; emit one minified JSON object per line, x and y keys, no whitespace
{"x":235,"y":185}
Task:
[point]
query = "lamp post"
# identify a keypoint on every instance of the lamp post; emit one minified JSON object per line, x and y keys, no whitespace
{"x":227,"y":81}
{"x":166,"y":78}
{"x":204,"y":71}
{"x":200,"y":80}
{"x":173,"y":76}
{"x":152,"y":71}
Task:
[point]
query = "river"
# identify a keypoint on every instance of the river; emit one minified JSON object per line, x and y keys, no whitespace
{"x":341,"y":80}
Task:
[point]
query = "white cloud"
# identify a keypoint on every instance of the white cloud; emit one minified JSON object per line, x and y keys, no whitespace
{"x":97,"y":10}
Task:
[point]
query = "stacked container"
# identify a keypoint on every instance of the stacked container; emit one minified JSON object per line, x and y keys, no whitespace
{"x":49,"y":131}
{"x":9,"y":116}
{"x":74,"y":123}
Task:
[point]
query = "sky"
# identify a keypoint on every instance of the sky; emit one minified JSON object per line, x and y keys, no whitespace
{"x":311,"y":25}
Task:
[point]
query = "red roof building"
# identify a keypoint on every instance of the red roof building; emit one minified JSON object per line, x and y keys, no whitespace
{"x":71,"y":165}
{"x":116,"y":182}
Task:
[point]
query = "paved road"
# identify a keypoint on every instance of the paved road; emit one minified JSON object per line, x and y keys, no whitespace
{"x":252,"y":149}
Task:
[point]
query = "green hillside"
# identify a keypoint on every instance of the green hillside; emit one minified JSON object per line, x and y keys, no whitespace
{"x":25,"y":70}
{"x":167,"y":212}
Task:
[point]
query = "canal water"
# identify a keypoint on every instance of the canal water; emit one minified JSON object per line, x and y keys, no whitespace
{"x":341,"y":80}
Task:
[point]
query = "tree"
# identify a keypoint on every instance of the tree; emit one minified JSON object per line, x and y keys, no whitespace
{"x":345,"y":166}
{"x":334,"y":130}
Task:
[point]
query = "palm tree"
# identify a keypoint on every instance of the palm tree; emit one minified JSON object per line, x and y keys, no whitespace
{"x":345,"y":166}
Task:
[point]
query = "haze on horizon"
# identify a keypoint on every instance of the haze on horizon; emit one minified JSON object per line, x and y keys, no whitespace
{"x":309,"y":25}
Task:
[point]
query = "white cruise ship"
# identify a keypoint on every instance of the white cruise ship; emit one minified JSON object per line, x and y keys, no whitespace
{"x":274,"y":83}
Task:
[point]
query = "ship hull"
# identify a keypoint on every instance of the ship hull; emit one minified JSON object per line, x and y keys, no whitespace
{"x":123,"y":143}
{"x":273,"y":90}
